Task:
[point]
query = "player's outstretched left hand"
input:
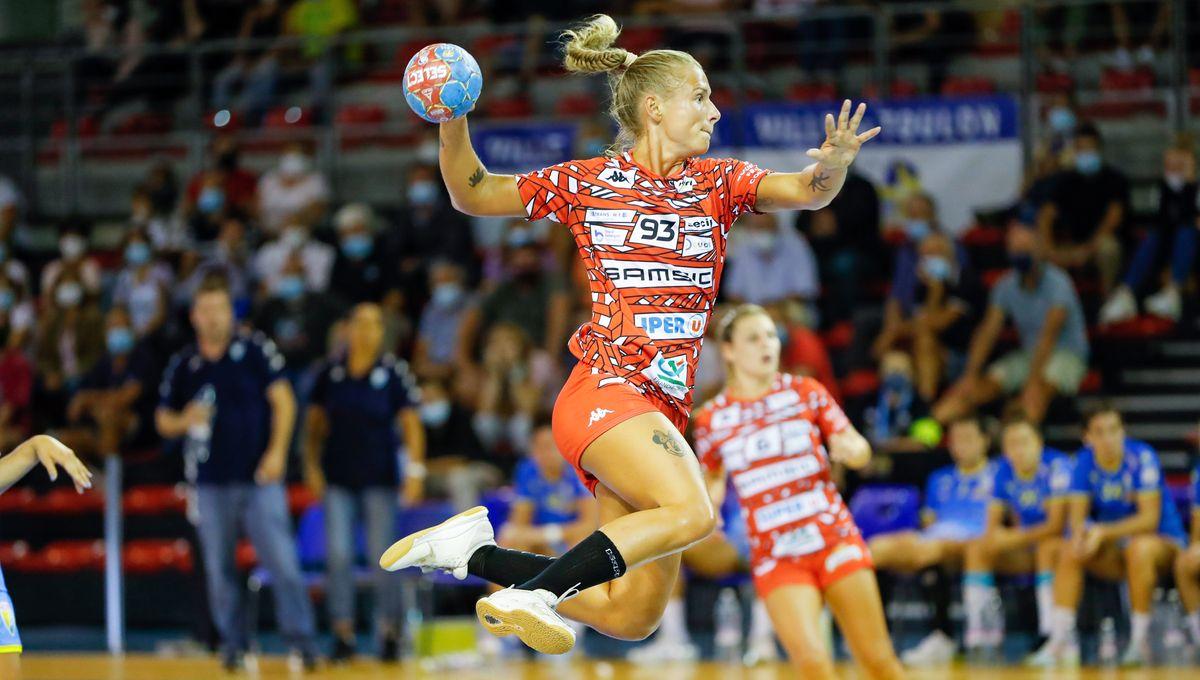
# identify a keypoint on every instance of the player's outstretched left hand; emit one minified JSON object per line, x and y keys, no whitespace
{"x":53,"y":454}
{"x":842,"y":139}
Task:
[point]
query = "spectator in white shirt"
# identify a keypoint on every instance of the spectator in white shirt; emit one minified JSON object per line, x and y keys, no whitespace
{"x":291,"y":193}
{"x":142,"y":285}
{"x":317,"y":258}
{"x":73,"y":246}
{"x":769,"y":264}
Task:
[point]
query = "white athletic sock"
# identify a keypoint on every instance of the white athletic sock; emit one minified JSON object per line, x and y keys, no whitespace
{"x":978,"y":590}
{"x":1045,"y":601}
{"x":1139,"y":629}
{"x":760,"y":622}
{"x":674,"y":623}
{"x":1193,"y":624}
{"x":1062,"y":629}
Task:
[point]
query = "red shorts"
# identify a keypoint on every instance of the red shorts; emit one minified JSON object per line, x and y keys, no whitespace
{"x":820,"y":569}
{"x":592,"y":403}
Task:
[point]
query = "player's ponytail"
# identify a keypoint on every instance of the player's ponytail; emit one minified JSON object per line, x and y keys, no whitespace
{"x":589,"y":49}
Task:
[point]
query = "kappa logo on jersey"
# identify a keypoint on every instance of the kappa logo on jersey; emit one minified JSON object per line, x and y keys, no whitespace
{"x":668,"y":326}
{"x":626,"y":274}
{"x":847,"y":553}
{"x":597,"y":415}
{"x":660,"y":231}
{"x":684,"y":184}
{"x":610,"y":216}
{"x":671,"y":374}
{"x":618,"y":178}
{"x":694,"y":246}
{"x":608,"y":236}
{"x":698,"y":225}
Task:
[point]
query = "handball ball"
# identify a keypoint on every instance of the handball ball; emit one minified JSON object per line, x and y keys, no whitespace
{"x":442,"y":82}
{"x":927,"y":431}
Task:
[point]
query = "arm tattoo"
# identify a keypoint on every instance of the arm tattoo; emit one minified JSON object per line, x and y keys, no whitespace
{"x":818,"y":182}
{"x":669,"y":442}
{"x":476,"y":178}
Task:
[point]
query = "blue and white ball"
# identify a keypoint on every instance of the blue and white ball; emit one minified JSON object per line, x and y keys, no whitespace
{"x":442,"y":82}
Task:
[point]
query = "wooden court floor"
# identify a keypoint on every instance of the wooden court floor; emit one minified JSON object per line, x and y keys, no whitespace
{"x":96,"y":667}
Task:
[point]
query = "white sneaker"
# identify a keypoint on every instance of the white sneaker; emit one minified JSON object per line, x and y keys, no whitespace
{"x":1166,"y":303}
{"x":446,"y":546}
{"x":935,"y":650}
{"x":1055,"y":655}
{"x":762,"y":650}
{"x":530,"y":615}
{"x":1120,"y":306}
{"x":662,"y":650}
{"x":1136,"y":654}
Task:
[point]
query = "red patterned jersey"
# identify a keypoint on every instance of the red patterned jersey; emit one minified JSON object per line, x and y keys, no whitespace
{"x":773,"y":449}
{"x":654,"y":248}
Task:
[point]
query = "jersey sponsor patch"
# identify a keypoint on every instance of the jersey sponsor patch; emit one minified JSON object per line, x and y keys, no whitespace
{"x":780,"y":400}
{"x":765,"y":443}
{"x":698,"y":225}
{"x":618,"y":178}
{"x":671,"y":374}
{"x":797,"y":436}
{"x":626,"y":274}
{"x":684,"y":184}
{"x":802,"y":541}
{"x":671,"y":326}
{"x":847,"y":553}
{"x":757,"y":480}
{"x":790,"y":510}
{"x":608,"y":236}
{"x":660,"y":231}
{"x":610,"y":216}
{"x":694,"y":246}
{"x":726,"y":417}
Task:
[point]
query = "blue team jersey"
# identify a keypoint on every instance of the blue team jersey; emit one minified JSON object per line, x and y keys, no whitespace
{"x":1027,"y":498}
{"x":241,"y":428}
{"x":10,"y":638}
{"x":959,"y":501}
{"x":555,"y":501}
{"x":1113,"y":493}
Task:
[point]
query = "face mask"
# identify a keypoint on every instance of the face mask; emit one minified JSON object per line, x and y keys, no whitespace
{"x":761,"y":241}
{"x":916,"y":229}
{"x":293,"y":238}
{"x":1174,"y":181}
{"x":1022,"y":262}
{"x":137,"y":253}
{"x":210,"y":200}
{"x":6,"y":300}
{"x":293,"y":164}
{"x":68,"y":294}
{"x":446,"y":294}
{"x":436,"y":413}
{"x":290,"y":287}
{"x":1088,"y":162}
{"x":936,"y":267}
{"x":423,"y":193}
{"x":1061,"y":119}
{"x":119,"y":340}
{"x":72,"y":247}
{"x":357,"y":246}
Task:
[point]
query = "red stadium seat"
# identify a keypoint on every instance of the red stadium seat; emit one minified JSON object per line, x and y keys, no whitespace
{"x":1092,"y":383}
{"x":983,"y":237}
{"x":154,"y":499}
{"x":813,"y":92}
{"x":1049,"y":83}
{"x":84,"y":127}
{"x":967,"y":86}
{"x":64,"y":500}
{"x":11,"y":553}
{"x":639,"y":39}
{"x":68,"y":556}
{"x":144,"y":124}
{"x":518,"y":106}
{"x":20,"y":499}
{"x":155,"y":556}
{"x":245,"y":557}
{"x":1143,"y":327}
{"x":283,"y":117}
{"x":1126,"y":93}
{"x":361,"y":114}
{"x":223,"y":121}
{"x":860,"y":383}
{"x":989,"y":277}
{"x":838,"y":337}
{"x":488,"y":45}
{"x":578,"y":104}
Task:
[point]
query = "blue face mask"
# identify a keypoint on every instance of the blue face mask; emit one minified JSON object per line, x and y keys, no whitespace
{"x":1088,"y":162}
{"x":137,"y":253}
{"x":423,"y":193}
{"x":435,"y":414}
{"x":119,"y":340}
{"x":357,"y":246}
{"x":1061,"y":119}
{"x":446,"y":294}
{"x":917,"y":230}
{"x":936,"y":267}
{"x":290,"y":287}
{"x":210,"y":200}
{"x":6,"y":300}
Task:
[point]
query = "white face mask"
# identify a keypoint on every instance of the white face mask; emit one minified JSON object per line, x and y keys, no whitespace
{"x":293,"y":164}
{"x":1175,"y":181}
{"x":293,"y":237}
{"x":72,"y":247}
{"x":68,"y":294}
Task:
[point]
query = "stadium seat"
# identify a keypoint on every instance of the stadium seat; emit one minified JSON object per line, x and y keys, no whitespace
{"x":1092,"y":383}
{"x":1125,"y":93}
{"x":154,"y":499}
{"x":881,"y":509}
{"x":284,"y":117}
{"x":518,"y":106}
{"x":13,"y":552}
{"x":245,"y":558}
{"x":20,"y":499}
{"x":983,"y":237}
{"x":989,"y":277}
{"x":361,"y":114}
{"x":577,"y":104}
{"x":1051,"y":83}
{"x":860,"y":383}
{"x":223,"y":121}
{"x":64,"y":500}
{"x":839,"y":336}
{"x":69,"y":556}
{"x":967,"y":86}
{"x":84,"y":127}
{"x":1144,"y":327}
{"x":639,"y":39}
{"x":154,"y":556}
{"x":813,"y":92}
{"x":144,"y":123}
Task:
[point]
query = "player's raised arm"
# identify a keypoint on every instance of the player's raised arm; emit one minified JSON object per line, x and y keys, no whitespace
{"x":474,"y":190}
{"x":51,"y":454}
{"x":815,"y":186}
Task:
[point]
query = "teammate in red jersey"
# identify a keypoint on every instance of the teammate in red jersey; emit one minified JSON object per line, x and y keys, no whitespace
{"x":775,"y":435}
{"x":650,"y":222}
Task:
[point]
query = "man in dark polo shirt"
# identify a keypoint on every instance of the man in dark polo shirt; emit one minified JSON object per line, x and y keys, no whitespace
{"x":226,"y":395}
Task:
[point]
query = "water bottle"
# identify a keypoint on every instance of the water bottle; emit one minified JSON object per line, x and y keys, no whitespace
{"x":200,"y":434}
{"x":1107,"y":653}
{"x":993,"y":627}
{"x":728,"y":619}
{"x":1173,"y":641}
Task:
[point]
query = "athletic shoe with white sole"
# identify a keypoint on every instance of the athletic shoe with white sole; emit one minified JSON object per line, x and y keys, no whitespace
{"x":1120,"y":306}
{"x":1165,"y":304}
{"x":936,"y":649}
{"x":531,"y":616}
{"x":1055,"y":655}
{"x":762,"y":650}
{"x":447,"y":546}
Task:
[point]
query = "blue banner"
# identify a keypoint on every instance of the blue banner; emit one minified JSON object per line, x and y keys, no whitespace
{"x":521,"y":148}
{"x":913,"y":122}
